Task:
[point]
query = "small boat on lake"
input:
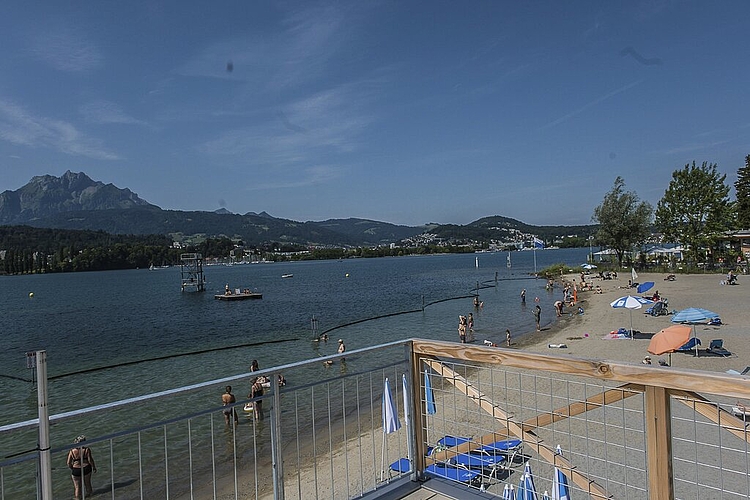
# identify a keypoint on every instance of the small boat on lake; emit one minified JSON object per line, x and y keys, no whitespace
{"x":238,"y":294}
{"x":287,"y":276}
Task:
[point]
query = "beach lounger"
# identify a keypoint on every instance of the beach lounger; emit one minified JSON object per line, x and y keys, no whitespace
{"x":508,"y":448}
{"x":716,"y":348}
{"x":689,"y":346}
{"x":487,"y":465}
{"x":465,"y":476}
{"x":451,"y":441}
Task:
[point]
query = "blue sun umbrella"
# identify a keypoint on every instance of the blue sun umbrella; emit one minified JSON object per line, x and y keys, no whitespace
{"x":526,"y":488}
{"x":429,"y":396}
{"x":630,"y":302}
{"x":508,"y":492}
{"x":644,"y":287}
{"x":560,"y":488}
{"x":691,"y":316}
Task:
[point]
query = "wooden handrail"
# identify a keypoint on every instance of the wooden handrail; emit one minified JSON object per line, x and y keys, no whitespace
{"x":658,"y":384}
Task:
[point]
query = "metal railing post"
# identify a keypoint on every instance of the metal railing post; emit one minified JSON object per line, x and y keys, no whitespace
{"x":45,"y":463}
{"x":409,"y":405}
{"x":276,"y":455}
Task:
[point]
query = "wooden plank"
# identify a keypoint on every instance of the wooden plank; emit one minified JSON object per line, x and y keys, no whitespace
{"x":734,"y":386}
{"x":726,"y":420}
{"x":659,"y":444}
{"x":530,"y":439}
{"x":607,"y":397}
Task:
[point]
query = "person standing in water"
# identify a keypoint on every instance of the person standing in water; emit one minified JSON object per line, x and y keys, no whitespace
{"x":256,"y":391}
{"x":470,"y":325}
{"x":538,"y":317}
{"x":342,"y":348}
{"x":228,"y":399}
{"x":523,"y":296}
{"x":81,"y":464}
{"x":462,"y":328}
{"x":507,"y":337}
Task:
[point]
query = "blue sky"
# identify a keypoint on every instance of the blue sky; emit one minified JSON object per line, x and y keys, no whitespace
{"x":403,"y":112}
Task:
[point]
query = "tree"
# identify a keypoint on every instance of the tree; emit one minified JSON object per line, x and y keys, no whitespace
{"x":742,"y":187}
{"x":623,"y":220}
{"x":695,"y":208}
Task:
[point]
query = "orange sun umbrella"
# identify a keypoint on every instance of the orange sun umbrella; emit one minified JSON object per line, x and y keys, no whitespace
{"x":669,"y":339}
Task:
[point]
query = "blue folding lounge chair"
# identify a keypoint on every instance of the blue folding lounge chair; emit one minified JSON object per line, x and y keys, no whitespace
{"x":444,"y":471}
{"x":451,"y":441}
{"x":507,"y":448}
{"x":689,"y":346}
{"x":717,"y":348}
{"x":487,"y":465}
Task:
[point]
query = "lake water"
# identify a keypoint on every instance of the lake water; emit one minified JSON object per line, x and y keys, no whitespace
{"x":120,"y":321}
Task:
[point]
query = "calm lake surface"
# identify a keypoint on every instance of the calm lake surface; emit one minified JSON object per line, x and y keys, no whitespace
{"x":120,"y":320}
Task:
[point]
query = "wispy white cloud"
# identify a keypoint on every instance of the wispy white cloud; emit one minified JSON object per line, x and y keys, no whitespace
{"x":315,"y":129}
{"x":312,"y":176}
{"x":102,"y":112}
{"x":591,"y":104}
{"x":693,"y":147}
{"x":297,"y":53}
{"x":66,"y":49}
{"x":17,"y":126}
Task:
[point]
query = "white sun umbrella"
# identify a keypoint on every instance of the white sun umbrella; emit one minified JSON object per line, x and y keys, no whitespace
{"x":390,"y":419}
{"x":405,"y":386}
{"x":630,"y":302}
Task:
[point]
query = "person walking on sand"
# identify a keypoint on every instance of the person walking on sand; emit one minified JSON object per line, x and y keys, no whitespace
{"x":228,"y":399}
{"x":81,"y":464}
{"x":538,"y":317}
{"x":507,"y":337}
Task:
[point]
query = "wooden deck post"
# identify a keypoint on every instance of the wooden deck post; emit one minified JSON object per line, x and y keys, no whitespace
{"x":659,"y":443}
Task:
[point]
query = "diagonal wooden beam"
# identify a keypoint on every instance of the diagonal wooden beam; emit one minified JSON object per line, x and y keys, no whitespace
{"x":528,"y":437}
{"x":713,"y":412}
{"x":593,"y":403}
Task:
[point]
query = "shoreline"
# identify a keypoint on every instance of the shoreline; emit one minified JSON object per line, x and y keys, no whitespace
{"x":583,"y":334}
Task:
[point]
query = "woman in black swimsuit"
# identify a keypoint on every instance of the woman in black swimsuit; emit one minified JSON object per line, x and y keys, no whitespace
{"x":81,"y":467}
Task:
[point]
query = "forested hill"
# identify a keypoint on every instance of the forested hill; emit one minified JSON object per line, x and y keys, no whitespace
{"x":75,"y":201}
{"x":497,"y":227}
{"x":25,"y":249}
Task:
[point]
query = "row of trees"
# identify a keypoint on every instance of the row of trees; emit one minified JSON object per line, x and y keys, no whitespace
{"x":695,"y":210}
{"x":27,"y":250}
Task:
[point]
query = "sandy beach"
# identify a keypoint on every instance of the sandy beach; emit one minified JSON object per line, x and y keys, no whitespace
{"x":584,"y":335}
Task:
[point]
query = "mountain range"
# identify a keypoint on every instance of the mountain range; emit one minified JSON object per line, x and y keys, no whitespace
{"x":75,"y":201}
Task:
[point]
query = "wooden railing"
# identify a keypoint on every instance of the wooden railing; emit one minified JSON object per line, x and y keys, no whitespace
{"x":699,"y":390}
